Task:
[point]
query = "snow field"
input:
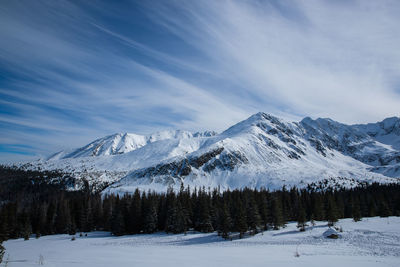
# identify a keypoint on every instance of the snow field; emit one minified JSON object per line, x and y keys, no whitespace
{"x":370,"y":242}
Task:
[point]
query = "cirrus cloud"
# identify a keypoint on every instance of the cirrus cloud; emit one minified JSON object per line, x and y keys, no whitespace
{"x":72,"y":71}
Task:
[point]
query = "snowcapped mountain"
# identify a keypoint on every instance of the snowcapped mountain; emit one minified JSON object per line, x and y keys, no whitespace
{"x":261,"y":151}
{"x":121,"y":143}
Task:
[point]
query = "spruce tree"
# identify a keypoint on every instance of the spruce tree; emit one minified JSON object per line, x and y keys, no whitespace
{"x":50,"y":217}
{"x":4,"y":231}
{"x":317,"y":207}
{"x":253,"y":217}
{"x":331,"y":212}
{"x":150,"y":217}
{"x":117,"y":223}
{"x":2,"y":251}
{"x":171,"y":213}
{"x":301,"y":218}
{"x":372,"y":209}
{"x":277,"y":216}
{"x":136,"y":213}
{"x":27,"y":229}
{"x":240,"y":219}
{"x":72,"y":228}
{"x":203,"y":223}
{"x":39,"y":220}
{"x":107,"y":212}
{"x":263,"y":210}
{"x":62,"y":220}
{"x":384,"y":209}
{"x":180,"y":224}
{"x":96,"y":219}
{"x":117,"y":220}
{"x":226,"y":221}
{"x":356,"y":210}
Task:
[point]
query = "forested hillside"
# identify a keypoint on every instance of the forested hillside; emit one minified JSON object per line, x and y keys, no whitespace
{"x":39,"y":203}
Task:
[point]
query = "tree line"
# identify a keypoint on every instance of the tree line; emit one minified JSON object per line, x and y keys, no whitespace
{"x":244,"y":211}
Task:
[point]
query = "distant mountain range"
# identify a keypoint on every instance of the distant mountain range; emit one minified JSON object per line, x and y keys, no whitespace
{"x":261,"y":151}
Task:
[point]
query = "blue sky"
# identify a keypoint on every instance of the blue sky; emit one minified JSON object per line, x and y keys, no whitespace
{"x":74,"y":71}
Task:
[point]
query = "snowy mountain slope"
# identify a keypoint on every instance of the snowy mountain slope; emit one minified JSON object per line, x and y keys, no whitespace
{"x":108,"y":166}
{"x":121,"y":143}
{"x":373,"y":144}
{"x":386,"y":132}
{"x":262,"y":151}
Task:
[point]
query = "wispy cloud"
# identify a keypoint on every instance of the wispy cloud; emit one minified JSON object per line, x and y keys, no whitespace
{"x":72,"y":71}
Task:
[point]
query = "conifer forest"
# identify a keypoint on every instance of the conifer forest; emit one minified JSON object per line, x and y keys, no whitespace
{"x":34,"y":202}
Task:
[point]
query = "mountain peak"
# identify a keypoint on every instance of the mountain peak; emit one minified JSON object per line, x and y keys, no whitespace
{"x":390,"y":123}
{"x":268,"y":150}
{"x":260,"y":119}
{"x":264,"y":116}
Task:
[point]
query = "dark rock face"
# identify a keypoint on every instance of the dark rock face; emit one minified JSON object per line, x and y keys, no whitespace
{"x":179,"y":168}
{"x":208,"y":162}
{"x":197,"y":162}
{"x":318,"y":146}
{"x":226,"y":162}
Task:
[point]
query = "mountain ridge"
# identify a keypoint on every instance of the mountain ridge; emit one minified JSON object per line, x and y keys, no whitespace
{"x":261,"y":151}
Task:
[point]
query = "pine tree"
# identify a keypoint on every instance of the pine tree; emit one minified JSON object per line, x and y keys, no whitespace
{"x":331,"y":212}
{"x":107,"y":212}
{"x":4,"y":231}
{"x":180,"y":224}
{"x":277,"y":215}
{"x":27,"y":229}
{"x":126,"y":216}
{"x":72,"y":228}
{"x":136,"y":213}
{"x":2,"y":251}
{"x":384,"y":209}
{"x":253,"y":217}
{"x":150,"y":216}
{"x":171,"y":210}
{"x":372,"y":209}
{"x":318,"y":207}
{"x":301,"y":218}
{"x":150,"y":225}
{"x":172,"y":213}
{"x":263,"y":210}
{"x":97,"y":222}
{"x":117,"y":220}
{"x":86,"y":216}
{"x":240,"y":219}
{"x":226,"y":221}
{"x":203,"y":223}
{"x":50,"y":216}
{"x":185,"y":200}
{"x":117,"y":223}
{"x":356,"y":210}
{"x":39,"y":220}
{"x":62,"y":219}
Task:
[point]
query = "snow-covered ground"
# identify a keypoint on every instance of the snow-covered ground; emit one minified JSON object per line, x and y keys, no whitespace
{"x":371,"y":242}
